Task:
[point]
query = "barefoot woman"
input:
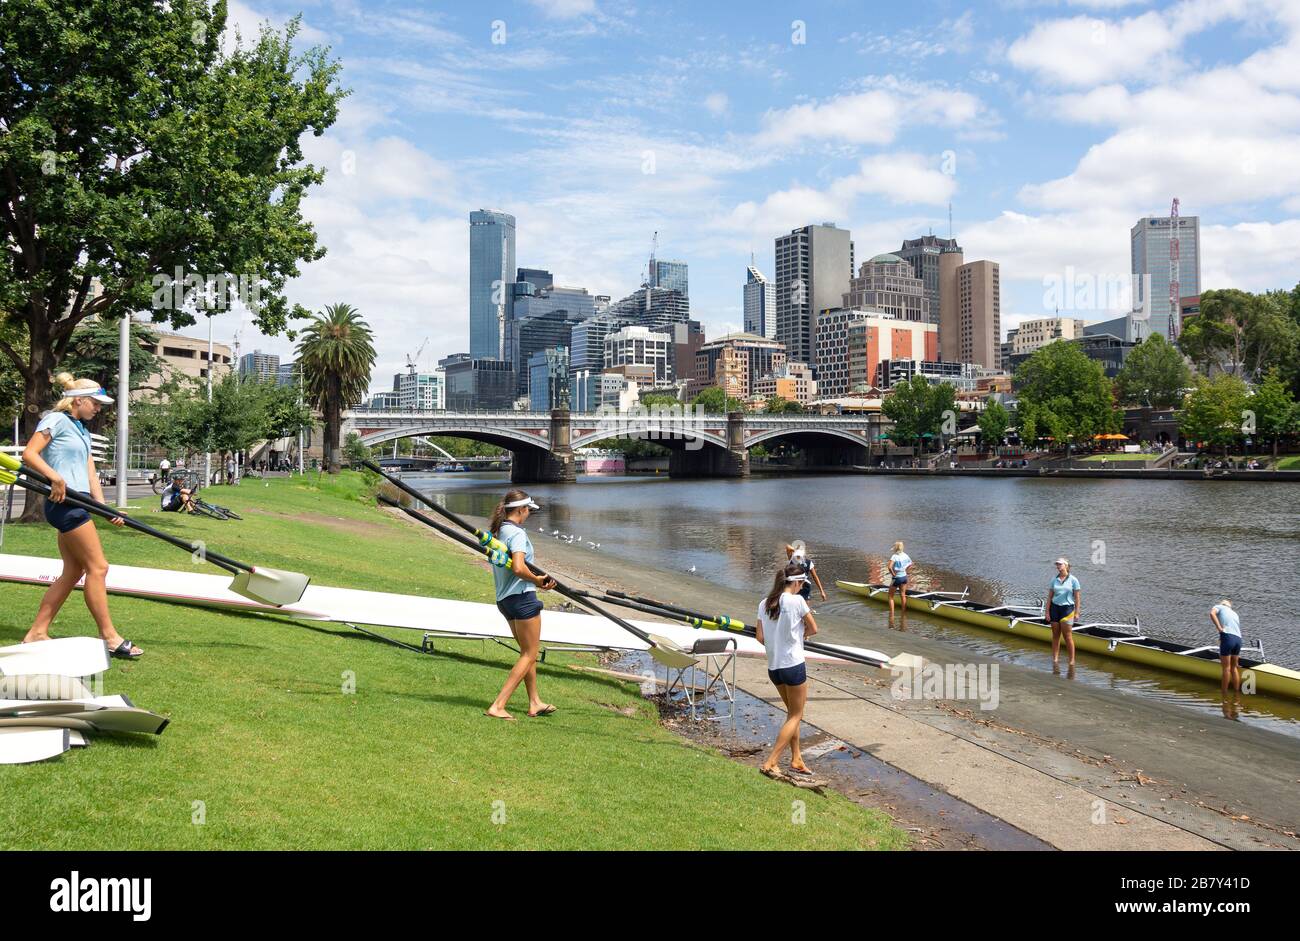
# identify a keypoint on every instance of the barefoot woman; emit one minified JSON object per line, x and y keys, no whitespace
{"x":60,"y":449}
{"x":784,"y":620}
{"x":518,"y":603}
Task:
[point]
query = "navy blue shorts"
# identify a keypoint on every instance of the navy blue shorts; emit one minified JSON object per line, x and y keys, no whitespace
{"x":1229,"y":645}
{"x":64,"y":516}
{"x":521,"y":606}
{"x":796,"y":675}
{"x":900,"y":581}
{"x":1059,"y":612}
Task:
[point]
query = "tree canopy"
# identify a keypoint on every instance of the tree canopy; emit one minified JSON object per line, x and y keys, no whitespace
{"x":1154,"y":374}
{"x":918,"y":409}
{"x":1064,"y":394}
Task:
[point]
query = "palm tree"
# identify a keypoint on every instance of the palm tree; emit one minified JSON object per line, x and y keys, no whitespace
{"x":335,"y":355}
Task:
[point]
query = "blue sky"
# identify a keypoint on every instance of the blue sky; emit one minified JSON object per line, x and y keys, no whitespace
{"x":1050,"y":126}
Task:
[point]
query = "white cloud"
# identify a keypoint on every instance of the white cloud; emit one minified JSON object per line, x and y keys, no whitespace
{"x":874,"y":116}
{"x":1084,"y":50}
{"x":717,"y":103}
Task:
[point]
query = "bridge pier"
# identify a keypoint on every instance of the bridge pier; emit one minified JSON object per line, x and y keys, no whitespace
{"x":556,"y":466}
{"x":821,"y":456}
{"x":711,"y":461}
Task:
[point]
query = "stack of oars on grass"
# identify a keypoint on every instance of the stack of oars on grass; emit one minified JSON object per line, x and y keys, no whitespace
{"x":47,"y":705}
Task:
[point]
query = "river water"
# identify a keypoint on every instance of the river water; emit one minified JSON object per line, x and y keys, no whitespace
{"x":1161,"y":551}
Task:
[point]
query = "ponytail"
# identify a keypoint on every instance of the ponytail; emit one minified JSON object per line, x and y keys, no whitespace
{"x":772,"y":603}
{"x":499,"y":514}
{"x":66,"y":382}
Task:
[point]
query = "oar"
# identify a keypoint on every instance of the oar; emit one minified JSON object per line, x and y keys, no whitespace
{"x":739,"y":627}
{"x":661,"y":648}
{"x":270,"y":586}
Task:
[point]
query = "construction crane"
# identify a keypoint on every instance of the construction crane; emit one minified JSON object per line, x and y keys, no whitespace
{"x":1175,"y":272}
{"x":413,"y":361}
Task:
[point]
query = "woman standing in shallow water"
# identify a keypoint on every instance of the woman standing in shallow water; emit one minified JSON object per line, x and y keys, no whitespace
{"x":784,"y":622}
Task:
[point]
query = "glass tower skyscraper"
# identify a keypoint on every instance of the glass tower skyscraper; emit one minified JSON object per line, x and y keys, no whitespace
{"x":491,"y":272}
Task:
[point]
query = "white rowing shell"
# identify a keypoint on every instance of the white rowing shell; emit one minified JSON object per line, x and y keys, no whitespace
{"x":384,"y":609}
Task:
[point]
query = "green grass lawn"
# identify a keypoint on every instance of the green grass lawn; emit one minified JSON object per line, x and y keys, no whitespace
{"x":1289,"y":463}
{"x":264,"y":735}
{"x":1120,"y":458}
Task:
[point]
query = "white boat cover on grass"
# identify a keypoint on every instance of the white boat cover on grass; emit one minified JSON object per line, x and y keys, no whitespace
{"x":20,"y":746}
{"x":439,"y":616}
{"x":54,"y":707}
{"x":103,"y":719}
{"x":61,"y":656}
{"x":43,"y":686}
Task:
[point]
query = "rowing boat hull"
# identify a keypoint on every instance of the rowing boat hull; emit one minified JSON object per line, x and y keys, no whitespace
{"x":1269,"y":677}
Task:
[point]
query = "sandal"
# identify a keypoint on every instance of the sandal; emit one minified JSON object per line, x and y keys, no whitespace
{"x":123,"y":651}
{"x":549,"y":710}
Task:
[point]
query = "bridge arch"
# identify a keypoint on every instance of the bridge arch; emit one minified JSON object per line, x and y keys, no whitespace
{"x":805,"y":433}
{"x":507,"y":438}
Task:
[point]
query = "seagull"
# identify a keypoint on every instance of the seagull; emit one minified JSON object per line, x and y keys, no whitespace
{"x":556,"y":533}
{"x":691,"y":570}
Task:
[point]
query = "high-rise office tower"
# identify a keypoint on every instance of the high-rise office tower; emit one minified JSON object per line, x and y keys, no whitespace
{"x":259,"y":365}
{"x":491,"y":272}
{"x":970,"y":322}
{"x":760,"y":304}
{"x":671,"y":275}
{"x":1149,"y":240}
{"x":813,"y":267}
{"x":923,"y":255}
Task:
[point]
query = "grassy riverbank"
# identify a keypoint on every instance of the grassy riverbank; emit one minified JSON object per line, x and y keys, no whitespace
{"x":281,"y":757}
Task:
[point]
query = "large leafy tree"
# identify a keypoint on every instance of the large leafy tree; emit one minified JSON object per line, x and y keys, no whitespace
{"x":92,"y":353}
{"x":715,"y":401}
{"x":1241,"y":333}
{"x":1064,"y":393}
{"x":779,"y":405}
{"x":1273,"y":408}
{"x":1154,"y":374}
{"x":141,"y":166}
{"x":919,"y":409}
{"x":993,"y":423}
{"x":336,"y":354}
{"x":1215,"y":411}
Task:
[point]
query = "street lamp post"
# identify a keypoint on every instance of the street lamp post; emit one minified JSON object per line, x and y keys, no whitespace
{"x":123,"y":406}
{"x":207,"y":456}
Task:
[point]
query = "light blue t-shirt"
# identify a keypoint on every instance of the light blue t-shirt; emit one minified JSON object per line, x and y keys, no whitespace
{"x":1228,"y":619}
{"x":516,"y":540}
{"x":1063,"y":591}
{"x":68,"y":450}
{"x":899,"y":562}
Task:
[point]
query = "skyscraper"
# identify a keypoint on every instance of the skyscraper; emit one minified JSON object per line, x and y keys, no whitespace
{"x":259,"y":365}
{"x":670,"y":274}
{"x":813,"y":268}
{"x":923,"y":255}
{"x":656,"y":308}
{"x":970,"y":324}
{"x":491,"y":272}
{"x":887,"y":283}
{"x":760,"y":304}
{"x":1149,"y":240}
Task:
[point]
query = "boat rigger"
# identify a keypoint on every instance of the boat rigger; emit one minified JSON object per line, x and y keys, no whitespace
{"x":1120,"y":641}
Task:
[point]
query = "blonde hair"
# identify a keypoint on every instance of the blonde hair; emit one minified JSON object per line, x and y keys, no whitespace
{"x":1066,"y":563}
{"x":898,"y":546}
{"x":66,"y":380}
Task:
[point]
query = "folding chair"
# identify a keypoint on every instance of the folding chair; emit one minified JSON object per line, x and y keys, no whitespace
{"x":714,"y":655}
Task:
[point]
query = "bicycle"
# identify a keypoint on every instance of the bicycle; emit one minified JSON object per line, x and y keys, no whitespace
{"x":213,"y":510}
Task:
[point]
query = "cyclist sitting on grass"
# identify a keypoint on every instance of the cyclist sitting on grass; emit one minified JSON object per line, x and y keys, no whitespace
{"x":177,"y":498}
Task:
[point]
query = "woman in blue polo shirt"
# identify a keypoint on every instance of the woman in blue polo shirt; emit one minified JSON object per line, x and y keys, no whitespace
{"x":518,"y":602}
{"x":1063,"y":597}
{"x":1226,"y":622}
{"x":60,"y":449}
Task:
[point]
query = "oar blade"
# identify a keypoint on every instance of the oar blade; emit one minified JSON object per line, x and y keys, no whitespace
{"x":669,"y":653}
{"x":271,"y":586}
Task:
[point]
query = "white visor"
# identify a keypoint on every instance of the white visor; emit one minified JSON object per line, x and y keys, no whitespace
{"x":526,"y":501}
{"x":1061,"y":562}
{"x":98,"y":394}
{"x":797,"y":578}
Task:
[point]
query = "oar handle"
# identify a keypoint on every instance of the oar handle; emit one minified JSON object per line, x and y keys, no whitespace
{"x":40,"y":484}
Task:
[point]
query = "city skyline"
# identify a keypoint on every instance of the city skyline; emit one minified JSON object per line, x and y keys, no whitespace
{"x":1051,"y":129}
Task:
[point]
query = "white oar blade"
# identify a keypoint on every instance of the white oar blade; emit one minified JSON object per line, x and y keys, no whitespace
{"x":271,"y":586}
{"x":55,"y":707}
{"x":669,"y":653}
{"x":63,"y":656}
{"x":110,"y":719}
{"x":21,"y":746}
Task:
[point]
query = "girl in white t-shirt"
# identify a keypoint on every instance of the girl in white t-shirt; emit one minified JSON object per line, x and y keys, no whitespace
{"x":784,"y":621}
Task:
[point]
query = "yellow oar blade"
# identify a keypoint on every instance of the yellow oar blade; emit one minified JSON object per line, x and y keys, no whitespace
{"x":669,"y":654}
{"x":270,"y":586}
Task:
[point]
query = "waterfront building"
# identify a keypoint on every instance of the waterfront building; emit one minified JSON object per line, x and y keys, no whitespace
{"x":1032,"y":334}
{"x":791,"y":381}
{"x":759,"y":304}
{"x":888,"y":283}
{"x":418,"y":390}
{"x":814,"y":265}
{"x":923,"y":255}
{"x":491,"y":269}
{"x":859,"y":340}
{"x":962,"y":376}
